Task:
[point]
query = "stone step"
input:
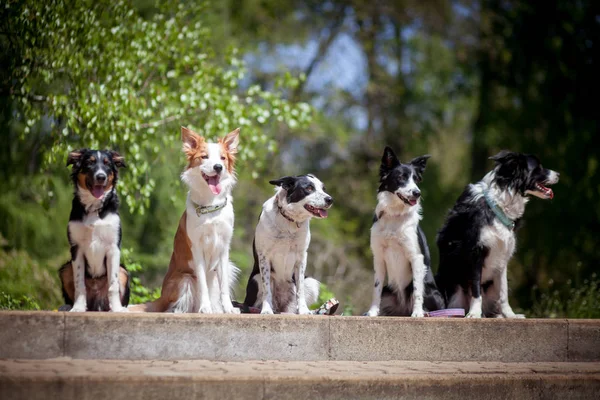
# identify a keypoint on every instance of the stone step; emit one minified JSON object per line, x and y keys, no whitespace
{"x":68,"y":379}
{"x":129,"y":336}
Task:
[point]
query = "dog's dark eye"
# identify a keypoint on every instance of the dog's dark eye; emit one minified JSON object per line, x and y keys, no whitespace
{"x":223,"y":158}
{"x":310,"y":188}
{"x":106,"y":161}
{"x":205,"y":157}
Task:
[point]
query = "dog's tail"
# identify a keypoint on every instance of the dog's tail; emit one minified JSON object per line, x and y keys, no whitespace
{"x":311,"y":290}
{"x":152,"y":306}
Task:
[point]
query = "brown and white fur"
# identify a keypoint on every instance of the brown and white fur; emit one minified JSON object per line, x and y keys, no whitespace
{"x":200,"y":276}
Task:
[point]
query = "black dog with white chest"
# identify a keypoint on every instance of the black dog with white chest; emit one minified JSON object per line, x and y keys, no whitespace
{"x":478,"y":239}
{"x":399,"y":245}
{"x":94,"y":280}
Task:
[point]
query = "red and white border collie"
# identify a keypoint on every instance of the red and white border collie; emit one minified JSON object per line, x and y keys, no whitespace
{"x":200,"y":276}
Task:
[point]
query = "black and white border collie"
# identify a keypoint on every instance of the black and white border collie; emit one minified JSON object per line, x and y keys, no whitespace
{"x":93,"y":279}
{"x":277,"y":283}
{"x":399,"y":245}
{"x":478,"y":239}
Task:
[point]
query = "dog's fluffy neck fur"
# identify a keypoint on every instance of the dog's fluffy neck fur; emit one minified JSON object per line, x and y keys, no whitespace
{"x":89,"y":202}
{"x":389,"y":205}
{"x":509,"y":200}
{"x":200,"y":194}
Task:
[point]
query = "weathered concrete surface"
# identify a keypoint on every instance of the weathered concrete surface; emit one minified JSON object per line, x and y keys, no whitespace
{"x":92,"y":379}
{"x":31,"y":335}
{"x":42,"y":335}
{"x":371,"y":339}
{"x":185,"y":336}
{"x":584,"y":340}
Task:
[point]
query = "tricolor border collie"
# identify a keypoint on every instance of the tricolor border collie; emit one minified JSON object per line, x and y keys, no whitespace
{"x":94,"y":280}
{"x":277,"y":283}
{"x":478,"y":239}
{"x":200,"y":276}
{"x":399,"y":245}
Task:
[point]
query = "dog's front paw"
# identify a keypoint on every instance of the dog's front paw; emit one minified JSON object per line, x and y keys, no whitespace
{"x":79,"y":308}
{"x":266,"y":309}
{"x":373,"y":312}
{"x":230,"y":309}
{"x":303,"y":310}
{"x":507,"y":312}
{"x":418,"y":314}
{"x":119,"y":309}
{"x":474,"y":314}
{"x":205,"y":309}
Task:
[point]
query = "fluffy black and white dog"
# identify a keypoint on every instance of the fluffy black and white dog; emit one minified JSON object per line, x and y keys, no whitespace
{"x":399,"y":245}
{"x":478,"y":238}
{"x":277,"y":282}
{"x":93,"y":279}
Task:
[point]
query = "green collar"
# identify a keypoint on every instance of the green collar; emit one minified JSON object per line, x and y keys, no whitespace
{"x":201,"y":210}
{"x":509,"y":223}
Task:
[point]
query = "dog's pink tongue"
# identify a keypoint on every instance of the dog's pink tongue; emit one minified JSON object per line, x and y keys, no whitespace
{"x":98,"y":191}
{"x":214,"y":185}
{"x":322,"y":213}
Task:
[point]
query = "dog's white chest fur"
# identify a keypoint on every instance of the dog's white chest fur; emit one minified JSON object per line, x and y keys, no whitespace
{"x":501,"y":243}
{"x":280,"y":242}
{"x":210,"y":234}
{"x":395,"y":237}
{"x":95,"y":236}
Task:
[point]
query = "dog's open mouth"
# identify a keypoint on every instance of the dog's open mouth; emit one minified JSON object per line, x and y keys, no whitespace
{"x":214,"y":183}
{"x":317,"y":212}
{"x":97,"y":191}
{"x":545,"y":192}
{"x":406,"y":201}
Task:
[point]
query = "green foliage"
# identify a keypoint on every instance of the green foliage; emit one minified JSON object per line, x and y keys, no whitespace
{"x":9,"y":302}
{"x":97,"y":74}
{"x":568,"y":300}
{"x":139,"y":293}
{"x":29,"y":217}
{"x":27,"y":284}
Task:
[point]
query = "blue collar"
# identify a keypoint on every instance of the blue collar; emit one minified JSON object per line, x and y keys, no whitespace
{"x":509,"y":223}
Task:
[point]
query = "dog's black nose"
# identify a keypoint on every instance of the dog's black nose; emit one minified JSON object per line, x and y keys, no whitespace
{"x":218,"y":167}
{"x":101,"y":177}
{"x":329,"y":200}
{"x":416,"y":194}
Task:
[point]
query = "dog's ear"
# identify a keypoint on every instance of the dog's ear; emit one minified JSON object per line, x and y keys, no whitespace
{"x":75,"y":156}
{"x":389,"y":159}
{"x":286,"y":182}
{"x":191,"y":140}
{"x":504,"y":156}
{"x":419,"y":164}
{"x":232,"y":140}
{"x":511,"y":169}
{"x":118,"y":159}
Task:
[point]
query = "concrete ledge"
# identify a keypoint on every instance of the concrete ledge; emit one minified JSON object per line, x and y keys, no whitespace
{"x":43,"y":335}
{"x":86,"y":379}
